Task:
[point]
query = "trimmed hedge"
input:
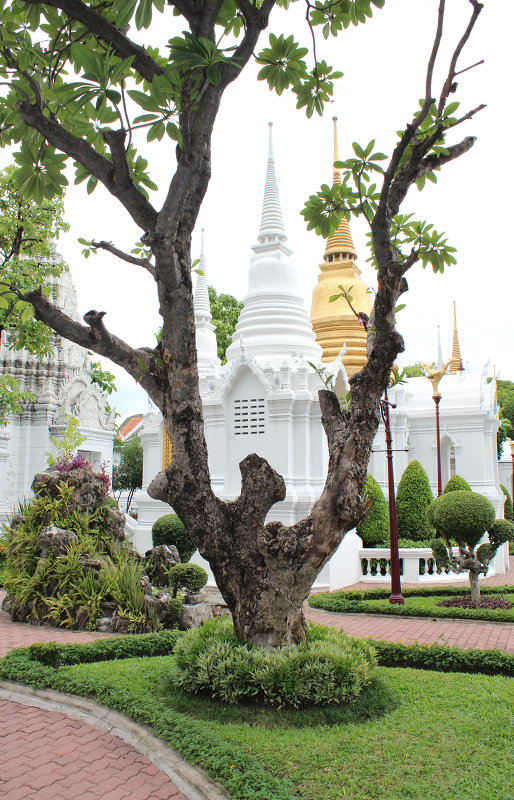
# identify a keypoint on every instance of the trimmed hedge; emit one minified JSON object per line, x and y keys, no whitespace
{"x":374,"y":530}
{"x":413,"y":498}
{"x":190,"y":577}
{"x":421,"y":591}
{"x":507,"y":506}
{"x":441,"y":658}
{"x":457,"y":484}
{"x":170,"y":530}
{"x":462,"y":515}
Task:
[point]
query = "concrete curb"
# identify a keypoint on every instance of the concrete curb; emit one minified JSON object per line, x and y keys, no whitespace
{"x":192,"y":781}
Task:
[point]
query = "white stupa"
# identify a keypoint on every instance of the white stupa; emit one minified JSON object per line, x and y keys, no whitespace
{"x":274,"y":321}
{"x":206,"y":345}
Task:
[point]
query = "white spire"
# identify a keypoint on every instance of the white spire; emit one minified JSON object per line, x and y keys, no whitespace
{"x":440,"y":360}
{"x":272,"y":225}
{"x":206,"y":345}
{"x":201,"y":300}
{"x":273,"y":323}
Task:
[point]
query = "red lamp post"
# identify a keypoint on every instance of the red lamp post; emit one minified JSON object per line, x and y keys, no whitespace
{"x":437,"y":399}
{"x":396,"y":590}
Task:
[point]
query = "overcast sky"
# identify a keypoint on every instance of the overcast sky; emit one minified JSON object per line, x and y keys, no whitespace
{"x":384,"y":64}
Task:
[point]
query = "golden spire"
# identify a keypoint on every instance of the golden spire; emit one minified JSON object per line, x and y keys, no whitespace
{"x":340,"y":244}
{"x":456,"y":362}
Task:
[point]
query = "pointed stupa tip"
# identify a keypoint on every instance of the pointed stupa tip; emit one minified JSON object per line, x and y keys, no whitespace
{"x":201,"y":298}
{"x":456,"y":363}
{"x":340,"y":244}
{"x":272,"y":224}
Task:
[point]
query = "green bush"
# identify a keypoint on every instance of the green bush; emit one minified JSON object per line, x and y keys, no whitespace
{"x":329,"y":669}
{"x":189,"y":577}
{"x":507,"y":506}
{"x":170,"y":530}
{"x":174,"y":611}
{"x":462,"y":515}
{"x":111,"y":502}
{"x":457,"y":484}
{"x":421,"y":591}
{"x":502,"y":530}
{"x":441,"y":658}
{"x":374,"y":530}
{"x":413,"y":498}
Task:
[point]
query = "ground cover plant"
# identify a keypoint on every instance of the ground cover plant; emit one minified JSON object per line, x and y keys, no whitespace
{"x":282,"y":755}
{"x":418,"y":603}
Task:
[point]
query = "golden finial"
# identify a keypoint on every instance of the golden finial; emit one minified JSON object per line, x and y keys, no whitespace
{"x":434,"y":375}
{"x":337,"y":174}
{"x":456,"y":363}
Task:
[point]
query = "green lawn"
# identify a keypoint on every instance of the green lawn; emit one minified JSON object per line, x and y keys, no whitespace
{"x":428,"y":606}
{"x":443,"y":736}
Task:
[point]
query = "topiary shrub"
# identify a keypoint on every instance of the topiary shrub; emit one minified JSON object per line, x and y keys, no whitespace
{"x":463,"y":515}
{"x":507,"y":506}
{"x":329,"y":669}
{"x":413,"y":498}
{"x":170,"y":530}
{"x":189,"y":577}
{"x":457,"y":484}
{"x":466,"y":516}
{"x":374,"y":530}
{"x":501,"y":531}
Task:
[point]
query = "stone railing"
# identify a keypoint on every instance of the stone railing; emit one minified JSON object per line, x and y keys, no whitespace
{"x":417,"y":565}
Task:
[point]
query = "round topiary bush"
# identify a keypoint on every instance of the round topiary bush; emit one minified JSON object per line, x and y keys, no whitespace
{"x":329,"y":669}
{"x":413,"y":497}
{"x":507,"y":506}
{"x":374,"y":530}
{"x":170,"y":530}
{"x":190,"y":577}
{"x":457,"y":484}
{"x":462,"y":515}
{"x":502,"y":530}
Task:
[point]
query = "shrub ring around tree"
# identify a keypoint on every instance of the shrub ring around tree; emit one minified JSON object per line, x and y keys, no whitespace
{"x":328,"y":669}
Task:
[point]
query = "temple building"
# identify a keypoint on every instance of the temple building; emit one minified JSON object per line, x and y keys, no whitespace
{"x":265,"y":398}
{"x":62,"y":387}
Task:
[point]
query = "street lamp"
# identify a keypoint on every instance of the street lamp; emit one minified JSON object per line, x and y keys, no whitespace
{"x":435,"y":376}
{"x":396,"y":590}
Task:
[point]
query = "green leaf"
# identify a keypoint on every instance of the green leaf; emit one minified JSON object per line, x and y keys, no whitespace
{"x":213,"y":74}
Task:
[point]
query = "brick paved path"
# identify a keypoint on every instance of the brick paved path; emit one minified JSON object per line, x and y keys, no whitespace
{"x":45,"y":755}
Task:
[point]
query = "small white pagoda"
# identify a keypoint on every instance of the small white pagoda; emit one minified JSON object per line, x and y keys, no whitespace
{"x":62,"y":386}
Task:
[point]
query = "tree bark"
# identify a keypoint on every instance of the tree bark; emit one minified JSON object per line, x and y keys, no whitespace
{"x":475,"y":587}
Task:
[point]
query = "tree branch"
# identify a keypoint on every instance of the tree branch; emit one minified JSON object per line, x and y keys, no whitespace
{"x":100,"y":27}
{"x":96,"y":337}
{"x":133,"y":200}
{"x":139,"y":262}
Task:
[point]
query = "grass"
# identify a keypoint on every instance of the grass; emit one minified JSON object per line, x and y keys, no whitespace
{"x":428,"y":606}
{"x":441,"y":736}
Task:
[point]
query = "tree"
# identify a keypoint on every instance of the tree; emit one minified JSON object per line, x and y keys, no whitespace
{"x":416,"y":370}
{"x":225,"y":311}
{"x":264,"y":571}
{"x":128,"y":474}
{"x":505,"y":395}
{"x":413,"y":497}
{"x":466,"y":516}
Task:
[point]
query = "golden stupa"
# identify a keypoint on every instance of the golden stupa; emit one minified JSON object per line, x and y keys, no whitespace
{"x":335,"y":324}
{"x":456,"y":364}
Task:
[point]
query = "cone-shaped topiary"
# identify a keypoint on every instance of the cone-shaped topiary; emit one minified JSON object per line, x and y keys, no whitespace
{"x":507,"y":506}
{"x":170,"y":530}
{"x":413,"y":497}
{"x":457,"y":484}
{"x":374,"y":530}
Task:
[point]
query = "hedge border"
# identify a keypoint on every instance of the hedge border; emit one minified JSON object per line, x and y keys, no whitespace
{"x":340,"y":603}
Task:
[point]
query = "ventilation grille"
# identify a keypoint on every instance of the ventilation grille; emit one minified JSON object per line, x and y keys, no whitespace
{"x":249,"y":416}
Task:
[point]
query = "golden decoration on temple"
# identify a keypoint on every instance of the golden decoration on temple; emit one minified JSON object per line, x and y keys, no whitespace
{"x":456,"y":362}
{"x":335,"y":324}
{"x":166,"y":449}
